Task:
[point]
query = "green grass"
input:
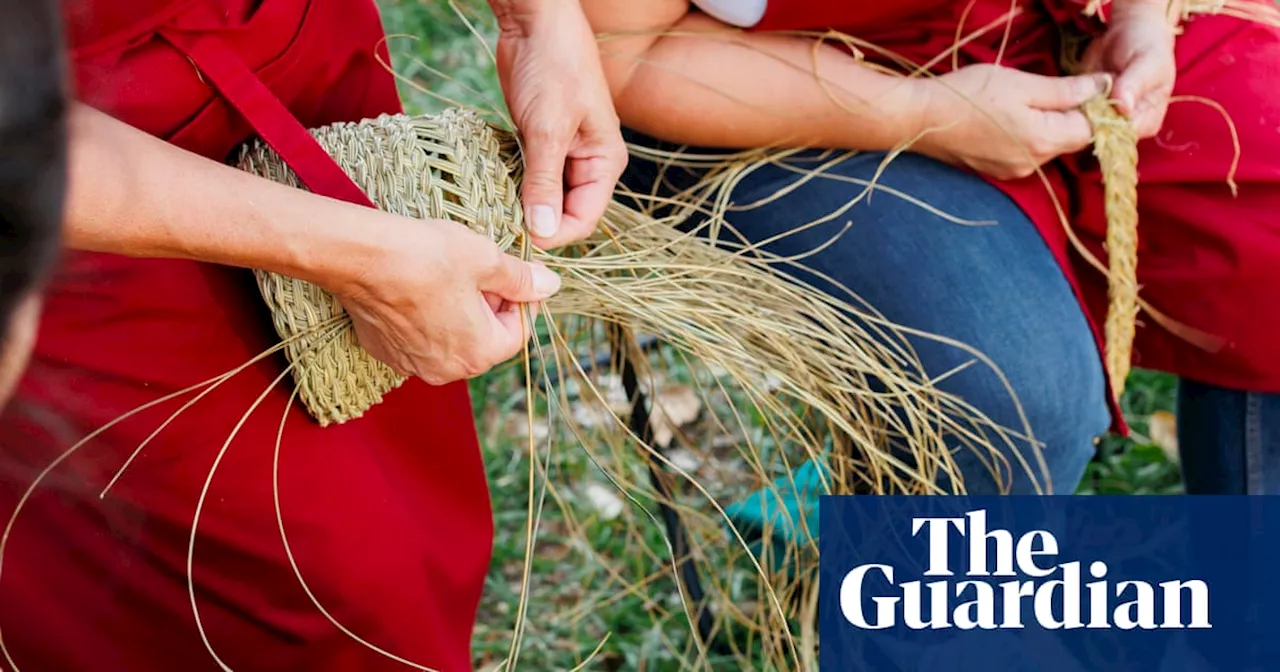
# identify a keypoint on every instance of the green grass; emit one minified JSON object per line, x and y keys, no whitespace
{"x":567,"y":572}
{"x":1139,"y":467}
{"x":431,"y":45}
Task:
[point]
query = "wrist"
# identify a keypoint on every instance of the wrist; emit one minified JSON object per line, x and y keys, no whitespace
{"x":335,"y":251}
{"x":286,"y":230}
{"x":891,"y":119}
{"x":930,"y":108}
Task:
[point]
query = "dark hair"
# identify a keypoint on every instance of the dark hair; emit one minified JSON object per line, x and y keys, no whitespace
{"x":33,"y":146}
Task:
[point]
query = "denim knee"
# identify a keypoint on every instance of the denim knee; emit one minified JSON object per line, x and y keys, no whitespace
{"x":996,"y":288}
{"x":1066,"y":413}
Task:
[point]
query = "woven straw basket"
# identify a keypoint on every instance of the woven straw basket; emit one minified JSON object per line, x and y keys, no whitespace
{"x":446,"y":166}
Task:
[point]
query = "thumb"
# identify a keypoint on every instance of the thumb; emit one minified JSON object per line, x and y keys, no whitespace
{"x":1065,"y":93}
{"x":518,"y":281}
{"x":542,"y":187}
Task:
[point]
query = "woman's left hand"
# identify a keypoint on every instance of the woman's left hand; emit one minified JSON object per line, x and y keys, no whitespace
{"x":551,"y":75}
{"x":1137,"y":49}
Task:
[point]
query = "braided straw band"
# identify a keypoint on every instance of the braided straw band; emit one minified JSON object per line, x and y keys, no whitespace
{"x":1115,"y":144}
{"x":445,"y":166}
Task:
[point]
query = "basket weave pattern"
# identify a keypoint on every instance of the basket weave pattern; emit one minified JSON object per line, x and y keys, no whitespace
{"x":446,"y":166}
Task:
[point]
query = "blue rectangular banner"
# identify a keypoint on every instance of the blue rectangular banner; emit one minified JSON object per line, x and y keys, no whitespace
{"x":1051,"y":584}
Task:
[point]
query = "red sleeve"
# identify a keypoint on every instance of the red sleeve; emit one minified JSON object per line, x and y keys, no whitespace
{"x":844,"y":15}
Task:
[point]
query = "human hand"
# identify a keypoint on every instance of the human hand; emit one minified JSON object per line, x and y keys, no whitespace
{"x":437,"y":301}
{"x":1137,"y":49}
{"x":1004,"y":122}
{"x":550,"y":71}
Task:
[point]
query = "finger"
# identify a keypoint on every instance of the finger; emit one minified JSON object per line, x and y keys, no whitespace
{"x":542,"y":188}
{"x":1143,"y":75}
{"x":1062,"y":93}
{"x":511,"y":331}
{"x":494,"y":301}
{"x":518,"y":320}
{"x":503,"y":306}
{"x":1067,"y":132}
{"x":1149,"y":117}
{"x":592,"y":182}
{"x":591,"y":186}
{"x":518,"y":281}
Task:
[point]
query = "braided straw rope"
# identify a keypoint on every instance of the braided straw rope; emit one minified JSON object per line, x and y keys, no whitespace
{"x":1115,"y":144}
{"x":453,"y":163}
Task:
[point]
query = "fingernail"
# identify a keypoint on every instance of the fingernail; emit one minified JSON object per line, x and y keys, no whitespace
{"x":545,"y":281}
{"x":1093,"y":86}
{"x":542,"y":219}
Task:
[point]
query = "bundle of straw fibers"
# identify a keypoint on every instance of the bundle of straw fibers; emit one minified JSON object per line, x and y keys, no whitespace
{"x":817,"y":377}
{"x":728,"y":309}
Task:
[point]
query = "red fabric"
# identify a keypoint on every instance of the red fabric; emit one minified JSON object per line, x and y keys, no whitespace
{"x":387,"y":516}
{"x":1205,"y":256}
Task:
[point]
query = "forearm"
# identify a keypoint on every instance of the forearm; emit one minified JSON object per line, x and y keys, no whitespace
{"x":702,"y":83}
{"x":133,"y":194}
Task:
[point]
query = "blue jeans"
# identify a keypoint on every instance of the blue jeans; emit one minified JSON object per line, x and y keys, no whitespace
{"x":1229,"y":440}
{"x":995,"y":287}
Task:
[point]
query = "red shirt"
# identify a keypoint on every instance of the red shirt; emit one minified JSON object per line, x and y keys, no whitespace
{"x":1206,"y":256}
{"x":387,"y":516}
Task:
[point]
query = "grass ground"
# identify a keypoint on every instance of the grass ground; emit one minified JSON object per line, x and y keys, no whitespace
{"x":580,"y":581}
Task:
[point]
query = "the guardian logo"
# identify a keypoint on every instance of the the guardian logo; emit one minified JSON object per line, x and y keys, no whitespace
{"x":1054,"y":594}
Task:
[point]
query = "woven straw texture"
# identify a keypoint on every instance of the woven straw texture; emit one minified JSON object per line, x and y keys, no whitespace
{"x":446,"y":166}
{"x":1115,"y":143}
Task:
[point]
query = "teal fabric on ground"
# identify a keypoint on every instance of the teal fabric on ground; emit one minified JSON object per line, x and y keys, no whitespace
{"x":788,"y":511}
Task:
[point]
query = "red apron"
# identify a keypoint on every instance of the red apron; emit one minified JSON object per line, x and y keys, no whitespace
{"x":387,"y":516}
{"x":1204,"y":256}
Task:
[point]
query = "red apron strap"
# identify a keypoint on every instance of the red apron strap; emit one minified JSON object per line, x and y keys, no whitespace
{"x":268,"y":116}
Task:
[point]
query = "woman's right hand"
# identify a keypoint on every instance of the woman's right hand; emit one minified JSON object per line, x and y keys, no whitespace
{"x":1004,"y":122}
{"x":440,"y":302}
{"x":430,"y":298}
